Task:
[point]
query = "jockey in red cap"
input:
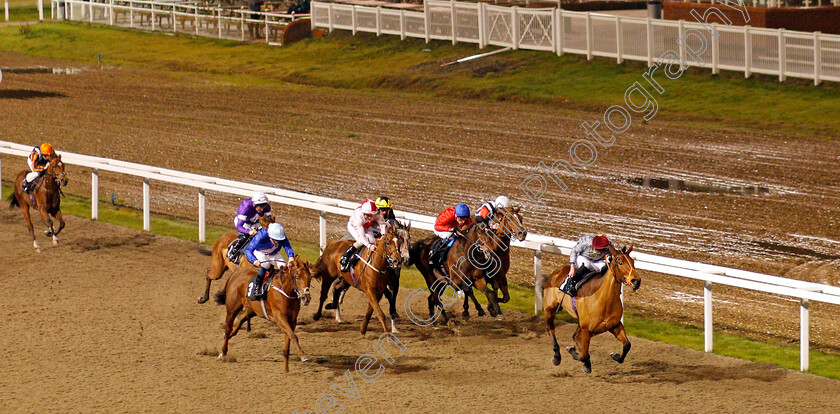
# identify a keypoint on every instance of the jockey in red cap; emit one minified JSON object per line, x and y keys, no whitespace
{"x":587,"y":259}
{"x":360,"y":226}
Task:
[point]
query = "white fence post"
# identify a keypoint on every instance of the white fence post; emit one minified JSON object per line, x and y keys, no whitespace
{"x":220,"y":22}
{"x":330,"y":16}
{"x":90,"y":11}
{"x":426,"y":21}
{"x":482,"y":37}
{"x":378,"y":21}
{"x":681,"y":43}
{"x":94,"y":194}
{"x":649,"y":32}
{"x":266,"y":27}
{"x":708,"y":323}
{"x":402,"y":24}
{"x":353,"y":17}
{"x":747,"y":52}
{"x":514,"y":27}
{"x":558,"y":29}
{"x":195,"y":23}
{"x":782,"y":52}
{"x":41,"y":10}
{"x":202,"y":216}
{"x":538,"y":281}
{"x":152,"y":18}
{"x":242,"y":25}
{"x":322,"y":234}
{"x":454,"y":25}
{"x":131,"y":14}
{"x":588,"y":36}
{"x":6,"y":9}
{"x":111,"y":12}
{"x":817,"y":58}
{"x":618,"y":38}
{"x":146,"y":205}
{"x":715,"y":51}
{"x":804,"y":339}
{"x":174,"y":22}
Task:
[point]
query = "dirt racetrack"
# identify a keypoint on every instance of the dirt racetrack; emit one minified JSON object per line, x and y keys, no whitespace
{"x":108,"y":323}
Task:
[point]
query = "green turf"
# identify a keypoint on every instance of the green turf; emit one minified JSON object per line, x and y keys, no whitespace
{"x":522,"y":298}
{"x":365,"y":62}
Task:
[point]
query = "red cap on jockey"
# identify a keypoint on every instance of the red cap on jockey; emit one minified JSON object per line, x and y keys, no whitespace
{"x":368,"y":207}
{"x":600,"y":242}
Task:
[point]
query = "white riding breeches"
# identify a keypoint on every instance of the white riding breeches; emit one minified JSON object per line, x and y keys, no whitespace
{"x":597,"y":265}
{"x":31,"y":176}
{"x":266,"y":261}
{"x":443,"y":234}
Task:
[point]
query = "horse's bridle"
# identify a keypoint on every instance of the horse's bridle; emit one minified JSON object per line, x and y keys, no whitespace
{"x":614,"y":268}
{"x":392,"y":263}
{"x":298,"y":292}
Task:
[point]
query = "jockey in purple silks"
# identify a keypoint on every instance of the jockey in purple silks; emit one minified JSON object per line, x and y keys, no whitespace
{"x":247,"y":220}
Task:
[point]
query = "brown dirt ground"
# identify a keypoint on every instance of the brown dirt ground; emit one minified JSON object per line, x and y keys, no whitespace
{"x":108,"y":323}
{"x":430,"y":152}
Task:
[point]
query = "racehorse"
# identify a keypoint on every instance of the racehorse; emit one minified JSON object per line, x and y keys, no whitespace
{"x":287,"y":289}
{"x":219,"y":262}
{"x":340,"y":287}
{"x":369,"y":274}
{"x":508,"y":223}
{"x":46,"y":196}
{"x":463,"y":269}
{"x":597,"y":307}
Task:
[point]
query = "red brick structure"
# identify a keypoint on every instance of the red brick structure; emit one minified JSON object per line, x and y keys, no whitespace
{"x":813,"y":19}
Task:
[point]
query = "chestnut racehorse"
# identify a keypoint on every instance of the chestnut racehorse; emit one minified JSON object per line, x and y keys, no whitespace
{"x":370,"y":274}
{"x":288,"y":288}
{"x":463,"y":267}
{"x":508,"y":224}
{"x":47,"y":197}
{"x":219,"y":262}
{"x":597,"y":307}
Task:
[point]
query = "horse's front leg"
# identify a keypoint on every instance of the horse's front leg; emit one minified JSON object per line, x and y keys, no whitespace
{"x":60,"y":218}
{"x":621,"y":335}
{"x":492,"y":305}
{"x":45,"y":218}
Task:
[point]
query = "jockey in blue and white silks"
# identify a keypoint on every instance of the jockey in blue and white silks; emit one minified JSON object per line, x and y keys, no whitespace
{"x":264,"y":252}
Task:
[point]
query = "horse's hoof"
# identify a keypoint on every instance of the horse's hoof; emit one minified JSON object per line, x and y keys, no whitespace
{"x":394,"y":316}
{"x":465,"y":315}
{"x":587,"y":369}
{"x":221,"y":355}
{"x":202,"y":300}
{"x":316,"y":316}
{"x":573,"y":352}
{"x":304,"y":359}
{"x":616,"y":357}
{"x":481,"y":313}
{"x":48,"y":233}
{"x":329,"y":306}
{"x":556,"y":360}
{"x":55,"y":242}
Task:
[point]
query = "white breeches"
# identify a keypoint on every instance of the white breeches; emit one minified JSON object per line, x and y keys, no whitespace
{"x":597,"y":265}
{"x":364,"y":236}
{"x":31,"y":176}
{"x":266,"y":261}
{"x":443,"y":234}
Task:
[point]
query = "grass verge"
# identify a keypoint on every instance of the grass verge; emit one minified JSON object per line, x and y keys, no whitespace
{"x":25,"y":12}
{"x":522,"y":298}
{"x":726,"y":101}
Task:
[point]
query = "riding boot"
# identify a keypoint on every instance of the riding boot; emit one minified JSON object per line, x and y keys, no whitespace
{"x":572,"y":284}
{"x":345,"y":258}
{"x":255,"y":287}
{"x":27,"y":185}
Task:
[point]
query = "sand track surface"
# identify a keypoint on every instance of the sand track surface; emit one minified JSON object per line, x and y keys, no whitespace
{"x":116,"y":329}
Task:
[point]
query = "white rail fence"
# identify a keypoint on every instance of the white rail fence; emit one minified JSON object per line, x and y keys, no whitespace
{"x":177,"y":17}
{"x":746,"y":49}
{"x":710,"y":274}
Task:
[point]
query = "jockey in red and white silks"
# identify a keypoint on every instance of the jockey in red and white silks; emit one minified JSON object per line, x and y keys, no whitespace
{"x":361,"y":227}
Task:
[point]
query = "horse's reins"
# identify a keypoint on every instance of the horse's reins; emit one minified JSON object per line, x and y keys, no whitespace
{"x":386,"y":256}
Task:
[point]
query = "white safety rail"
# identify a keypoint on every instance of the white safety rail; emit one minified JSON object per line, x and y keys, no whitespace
{"x":177,"y":16}
{"x":775,"y":52}
{"x":710,"y":274}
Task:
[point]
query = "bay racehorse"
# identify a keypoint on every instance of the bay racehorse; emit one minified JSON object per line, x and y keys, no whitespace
{"x":219,"y":262}
{"x":506,"y":224}
{"x":287,"y":289}
{"x":369,"y":274}
{"x":339,"y":287}
{"x":44,"y":197}
{"x":597,"y":307}
{"x":465,"y":265}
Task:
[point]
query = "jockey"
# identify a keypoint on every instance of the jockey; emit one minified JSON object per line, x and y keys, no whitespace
{"x":487,"y":211}
{"x":587,"y":259}
{"x":360,"y":227}
{"x":264,"y":252}
{"x":38,"y":161}
{"x":383,"y":204}
{"x":247,"y":220}
{"x":447,"y":225}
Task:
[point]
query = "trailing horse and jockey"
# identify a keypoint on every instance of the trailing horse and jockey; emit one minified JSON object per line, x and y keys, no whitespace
{"x":264,"y":252}
{"x":247,"y":221}
{"x":487,"y":211}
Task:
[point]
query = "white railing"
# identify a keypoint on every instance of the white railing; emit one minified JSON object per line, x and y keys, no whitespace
{"x":710,"y":274}
{"x":746,"y":49}
{"x":180,"y":17}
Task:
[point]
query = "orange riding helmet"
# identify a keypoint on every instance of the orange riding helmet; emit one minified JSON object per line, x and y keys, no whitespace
{"x":47,"y":149}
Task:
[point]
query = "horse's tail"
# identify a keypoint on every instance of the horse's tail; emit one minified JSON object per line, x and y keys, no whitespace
{"x":414,"y":252}
{"x":220,"y":296}
{"x":319,"y":269}
{"x":13,"y":201}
